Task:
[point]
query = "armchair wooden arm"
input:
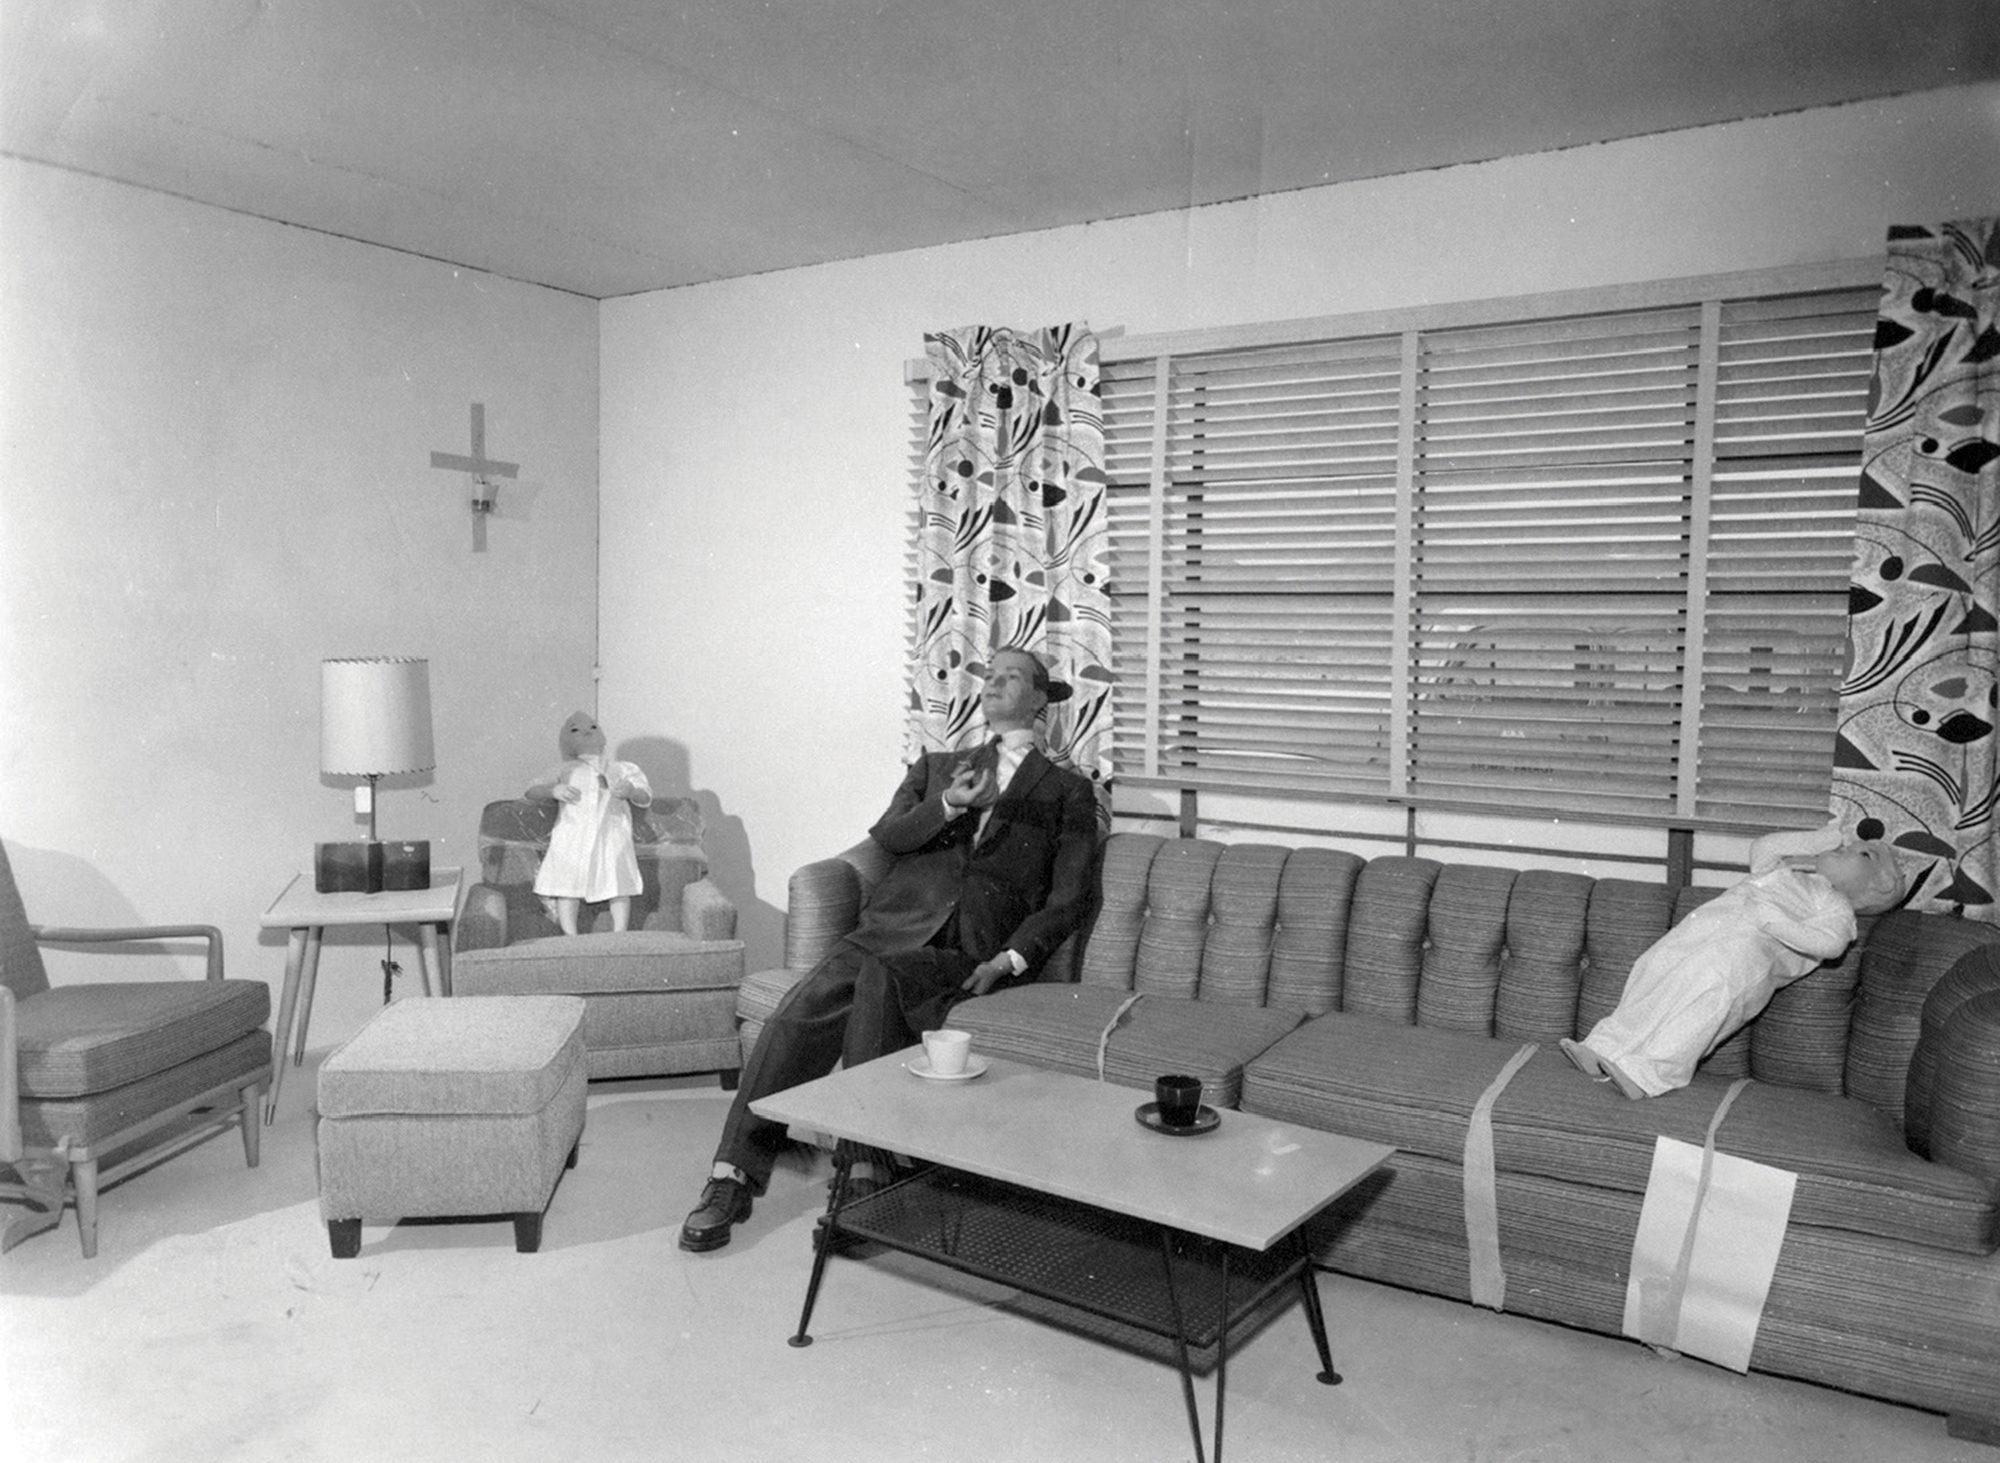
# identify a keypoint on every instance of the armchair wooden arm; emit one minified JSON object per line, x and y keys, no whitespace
{"x":10,"y":1082}
{"x":74,"y":935}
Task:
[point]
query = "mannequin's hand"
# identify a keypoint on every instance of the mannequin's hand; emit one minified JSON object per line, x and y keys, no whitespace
{"x":971,"y":788}
{"x":566,"y":794}
{"x":987,"y":974}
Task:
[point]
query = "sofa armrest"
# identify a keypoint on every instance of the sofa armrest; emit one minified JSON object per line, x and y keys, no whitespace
{"x":823,"y":902}
{"x":482,"y":920}
{"x":1965,"y":1113}
{"x":706,"y":912}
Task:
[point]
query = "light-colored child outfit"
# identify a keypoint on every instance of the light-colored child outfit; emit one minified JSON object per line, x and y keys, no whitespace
{"x":1721,"y":965}
{"x":591,"y":852}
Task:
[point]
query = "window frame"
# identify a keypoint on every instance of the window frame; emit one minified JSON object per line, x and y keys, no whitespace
{"x":1408,"y":329}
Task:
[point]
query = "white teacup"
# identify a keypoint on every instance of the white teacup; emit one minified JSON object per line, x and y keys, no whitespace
{"x":947,"y":1051}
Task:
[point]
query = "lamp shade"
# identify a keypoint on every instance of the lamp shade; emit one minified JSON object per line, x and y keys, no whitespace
{"x":375,"y":717}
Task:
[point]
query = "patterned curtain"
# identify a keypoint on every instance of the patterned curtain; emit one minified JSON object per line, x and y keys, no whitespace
{"x":1011,"y":545}
{"x":1916,"y":755}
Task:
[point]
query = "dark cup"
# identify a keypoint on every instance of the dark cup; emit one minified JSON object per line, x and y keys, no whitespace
{"x":1179,"y":1099}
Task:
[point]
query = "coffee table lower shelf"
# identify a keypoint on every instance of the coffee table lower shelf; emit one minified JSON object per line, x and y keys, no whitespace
{"x":1157,"y":1280}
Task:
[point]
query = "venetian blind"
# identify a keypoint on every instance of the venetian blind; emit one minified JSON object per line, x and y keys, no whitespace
{"x":1590,"y":562}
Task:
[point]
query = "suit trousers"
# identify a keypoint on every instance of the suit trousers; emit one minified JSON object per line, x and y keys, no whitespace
{"x":853,"y":1007}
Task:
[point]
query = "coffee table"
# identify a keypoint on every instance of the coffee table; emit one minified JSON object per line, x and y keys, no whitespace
{"x":1046,"y":1183}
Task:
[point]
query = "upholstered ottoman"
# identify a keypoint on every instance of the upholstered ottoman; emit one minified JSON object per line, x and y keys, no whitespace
{"x":443,"y":1107}
{"x":656,"y":1002}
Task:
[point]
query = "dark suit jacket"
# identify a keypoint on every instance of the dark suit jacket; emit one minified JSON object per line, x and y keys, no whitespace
{"x":1022,"y":886}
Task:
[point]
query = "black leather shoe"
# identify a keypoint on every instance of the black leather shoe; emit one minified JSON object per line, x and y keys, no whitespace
{"x":724,"y":1204}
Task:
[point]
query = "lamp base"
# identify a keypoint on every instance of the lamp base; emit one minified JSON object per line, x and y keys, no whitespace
{"x":370,"y":868}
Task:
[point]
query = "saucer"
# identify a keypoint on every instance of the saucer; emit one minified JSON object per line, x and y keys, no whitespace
{"x":1206,"y":1120}
{"x":920,"y":1066}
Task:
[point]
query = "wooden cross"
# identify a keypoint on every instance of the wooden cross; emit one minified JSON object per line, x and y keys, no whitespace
{"x":482,"y":469}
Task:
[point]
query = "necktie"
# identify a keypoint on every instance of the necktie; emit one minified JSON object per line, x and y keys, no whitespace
{"x":988,"y":758}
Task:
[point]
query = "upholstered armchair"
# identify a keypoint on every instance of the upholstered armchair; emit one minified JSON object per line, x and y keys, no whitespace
{"x":101,"y":1079}
{"x":660,"y":997}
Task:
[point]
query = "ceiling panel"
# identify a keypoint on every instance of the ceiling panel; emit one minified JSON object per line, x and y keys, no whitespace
{"x":612,"y":146}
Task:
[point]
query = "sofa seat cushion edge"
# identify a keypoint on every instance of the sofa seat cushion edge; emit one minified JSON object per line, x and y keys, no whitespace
{"x":1415,"y":1088}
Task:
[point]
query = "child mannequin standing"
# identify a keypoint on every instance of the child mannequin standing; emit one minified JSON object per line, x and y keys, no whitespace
{"x":1721,"y":965}
{"x":591,"y":853}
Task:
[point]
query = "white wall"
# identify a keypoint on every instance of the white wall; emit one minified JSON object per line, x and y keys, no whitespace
{"x":215,"y":471}
{"x":755,"y":455}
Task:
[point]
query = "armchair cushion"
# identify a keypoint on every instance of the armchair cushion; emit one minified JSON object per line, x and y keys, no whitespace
{"x":78,"y":1039}
{"x":607,"y":963}
{"x":93,"y":1119}
{"x":654,"y":1000}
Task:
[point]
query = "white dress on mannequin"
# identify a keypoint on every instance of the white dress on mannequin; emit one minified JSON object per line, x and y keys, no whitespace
{"x":1721,"y":965}
{"x":591,"y":853}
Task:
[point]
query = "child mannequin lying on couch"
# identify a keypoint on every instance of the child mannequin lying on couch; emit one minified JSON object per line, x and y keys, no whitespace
{"x":1721,"y":965}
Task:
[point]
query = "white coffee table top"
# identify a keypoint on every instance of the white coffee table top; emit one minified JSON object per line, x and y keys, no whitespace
{"x":1249,"y":1182}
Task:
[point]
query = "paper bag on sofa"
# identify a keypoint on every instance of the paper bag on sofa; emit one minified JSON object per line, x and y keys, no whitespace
{"x":1707,"y":1246}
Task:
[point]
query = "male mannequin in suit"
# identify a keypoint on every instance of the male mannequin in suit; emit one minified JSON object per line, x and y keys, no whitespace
{"x":992,"y":873}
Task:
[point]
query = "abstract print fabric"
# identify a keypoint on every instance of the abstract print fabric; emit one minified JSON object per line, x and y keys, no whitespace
{"x":1011,"y":543}
{"x":1915,"y":754}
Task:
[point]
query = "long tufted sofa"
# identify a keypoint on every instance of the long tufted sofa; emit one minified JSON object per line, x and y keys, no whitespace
{"x":1395,"y":999}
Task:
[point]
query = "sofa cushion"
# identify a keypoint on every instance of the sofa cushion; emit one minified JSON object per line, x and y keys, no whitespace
{"x":1059,"y":1026}
{"x":1416,"y":1088}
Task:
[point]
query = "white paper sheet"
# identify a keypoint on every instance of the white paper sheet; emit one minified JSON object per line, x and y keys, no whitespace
{"x":1711,"y":1311}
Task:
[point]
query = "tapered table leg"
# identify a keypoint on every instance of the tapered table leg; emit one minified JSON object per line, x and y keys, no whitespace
{"x":288,"y":999}
{"x":437,"y":980}
{"x":308,"y":982}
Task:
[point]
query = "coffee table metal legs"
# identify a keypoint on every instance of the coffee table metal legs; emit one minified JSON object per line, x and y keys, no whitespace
{"x":1315,"y":1323}
{"x":1316,"y":1317}
{"x":951,"y":1219}
{"x":823,"y":1242}
{"x":1181,"y":1350}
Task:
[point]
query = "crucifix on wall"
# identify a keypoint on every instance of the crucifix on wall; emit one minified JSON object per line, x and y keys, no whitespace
{"x":483,"y":469}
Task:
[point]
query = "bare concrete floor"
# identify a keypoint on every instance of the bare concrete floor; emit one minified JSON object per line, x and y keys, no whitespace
{"x":215,"y":1327}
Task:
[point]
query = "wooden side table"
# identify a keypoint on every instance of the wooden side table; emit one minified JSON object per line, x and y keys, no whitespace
{"x":306,"y":912}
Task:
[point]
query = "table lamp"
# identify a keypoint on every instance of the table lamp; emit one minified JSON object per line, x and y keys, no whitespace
{"x":374,"y":722}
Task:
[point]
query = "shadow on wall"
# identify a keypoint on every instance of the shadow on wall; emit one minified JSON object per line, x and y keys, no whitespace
{"x":760,"y":925}
{"x":58,"y":888}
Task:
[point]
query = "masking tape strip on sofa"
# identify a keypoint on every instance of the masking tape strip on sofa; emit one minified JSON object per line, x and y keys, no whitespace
{"x":1661,"y":1304}
{"x":1482,"y":1201}
{"x":1104,"y":1036}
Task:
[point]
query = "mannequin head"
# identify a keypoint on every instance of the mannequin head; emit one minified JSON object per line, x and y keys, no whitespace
{"x":580,"y":736}
{"x":1867,"y":873}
